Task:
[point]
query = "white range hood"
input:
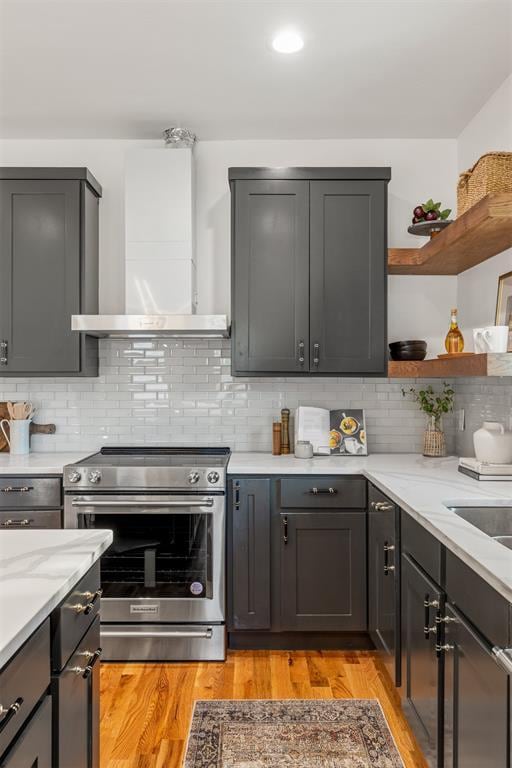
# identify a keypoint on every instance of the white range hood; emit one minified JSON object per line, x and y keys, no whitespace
{"x":160,"y":268}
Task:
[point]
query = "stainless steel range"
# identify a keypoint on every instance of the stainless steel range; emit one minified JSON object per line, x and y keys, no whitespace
{"x":163,"y":578}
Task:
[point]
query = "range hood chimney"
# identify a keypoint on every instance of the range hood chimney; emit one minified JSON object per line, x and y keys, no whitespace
{"x":160,"y":267}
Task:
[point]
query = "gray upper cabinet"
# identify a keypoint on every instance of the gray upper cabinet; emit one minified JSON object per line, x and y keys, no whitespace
{"x":309,"y":256}
{"x":348,"y":267}
{"x":270,"y":276}
{"x":48,"y":270}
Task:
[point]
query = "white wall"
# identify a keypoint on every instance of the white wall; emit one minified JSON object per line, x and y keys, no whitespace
{"x":489,"y":130}
{"x":420,"y":169}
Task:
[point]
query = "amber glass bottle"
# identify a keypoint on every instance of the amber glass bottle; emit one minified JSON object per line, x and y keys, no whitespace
{"x":454,"y":342}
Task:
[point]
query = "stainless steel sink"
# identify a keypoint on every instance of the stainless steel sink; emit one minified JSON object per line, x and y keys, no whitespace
{"x":496,"y":522}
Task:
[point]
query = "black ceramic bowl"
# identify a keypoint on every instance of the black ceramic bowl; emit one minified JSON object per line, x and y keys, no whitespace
{"x":408,"y":350}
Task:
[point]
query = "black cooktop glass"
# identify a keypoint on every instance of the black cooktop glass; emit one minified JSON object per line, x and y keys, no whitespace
{"x":148,"y":456}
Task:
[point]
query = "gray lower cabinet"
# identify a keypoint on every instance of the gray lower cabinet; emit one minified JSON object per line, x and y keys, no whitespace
{"x":309,"y":270}
{"x":476,"y":699}
{"x":33,"y":748}
{"x":30,"y":502}
{"x":249,"y":554}
{"x":50,"y":688}
{"x":296,"y":560}
{"x":48,"y":270}
{"x":75,"y":695}
{"x":422,"y":670}
{"x":323,"y":571}
{"x":384,"y":581}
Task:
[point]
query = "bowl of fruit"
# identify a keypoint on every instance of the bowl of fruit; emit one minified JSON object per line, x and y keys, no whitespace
{"x":428,"y":219}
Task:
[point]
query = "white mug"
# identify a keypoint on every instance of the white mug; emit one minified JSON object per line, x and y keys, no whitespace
{"x":19,"y":440}
{"x":478,"y":342}
{"x":493,"y":338}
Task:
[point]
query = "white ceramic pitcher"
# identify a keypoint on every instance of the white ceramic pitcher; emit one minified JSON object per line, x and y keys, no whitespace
{"x":19,"y":435}
{"x":493,"y":444}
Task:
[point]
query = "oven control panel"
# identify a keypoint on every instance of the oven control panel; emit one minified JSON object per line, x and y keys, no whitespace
{"x":143,"y":478}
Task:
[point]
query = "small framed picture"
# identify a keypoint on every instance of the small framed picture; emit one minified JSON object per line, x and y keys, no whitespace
{"x":504,"y":300}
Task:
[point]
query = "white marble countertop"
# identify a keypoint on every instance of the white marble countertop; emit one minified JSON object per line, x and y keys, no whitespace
{"x":37,"y":570}
{"x":422,"y":487}
{"x":39,"y":463}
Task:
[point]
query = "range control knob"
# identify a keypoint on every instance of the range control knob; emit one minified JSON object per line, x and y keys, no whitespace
{"x":94,"y":476}
{"x":74,"y":476}
{"x":213,"y":477}
{"x":193,"y":478}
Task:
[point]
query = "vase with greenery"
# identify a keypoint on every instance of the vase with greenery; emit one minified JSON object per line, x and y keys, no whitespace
{"x":435,"y":405}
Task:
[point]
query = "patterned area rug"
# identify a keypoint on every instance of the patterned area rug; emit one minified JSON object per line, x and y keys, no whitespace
{"x":344,"y":733}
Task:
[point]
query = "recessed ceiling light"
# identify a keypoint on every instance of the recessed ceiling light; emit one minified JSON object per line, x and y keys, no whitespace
{"x":287,"y":41}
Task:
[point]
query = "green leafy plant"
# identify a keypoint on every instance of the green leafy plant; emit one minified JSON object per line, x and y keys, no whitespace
{"x":433,"y":403}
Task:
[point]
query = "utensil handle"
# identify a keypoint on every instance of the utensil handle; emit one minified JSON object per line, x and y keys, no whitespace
{"x":5,"y":421}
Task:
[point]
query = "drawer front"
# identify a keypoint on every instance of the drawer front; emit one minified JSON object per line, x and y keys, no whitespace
{"x":422,"y":546}
{"x":75,"y":694}
{"x":18,"y":492}
{"x":477,"y":600}
{"x":34,"y":746}
{"x":326,"y":492}
{"x":22,"y":683}
{"x":30,"y":518}
{"x":70,"y":621}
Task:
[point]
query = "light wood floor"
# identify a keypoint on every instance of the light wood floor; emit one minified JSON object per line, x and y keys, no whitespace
{"x":146,"y":708}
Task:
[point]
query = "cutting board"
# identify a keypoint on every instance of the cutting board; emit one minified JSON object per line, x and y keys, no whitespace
{"x":35,"y":429}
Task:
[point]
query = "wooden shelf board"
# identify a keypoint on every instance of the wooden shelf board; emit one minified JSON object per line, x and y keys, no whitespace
{"x":474,"y":365}
{"x":480,"y":233}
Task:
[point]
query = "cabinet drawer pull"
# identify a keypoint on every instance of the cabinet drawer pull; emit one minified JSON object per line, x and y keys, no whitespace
{"x":3,"y":352}
{"x":301,"y":352}
{"x":285,"y":530}
{"x":443,"y":648}
{"x":16,"y":523}
{"x":86,"y":671}
{"x":317,"y":491}
{"x":316,"y":354}
{"x":381,"y":506}
{"x":7,"y":713}
{"x":428,"y":604}
{"x":17,"y":489}
{"x":86,"y":608}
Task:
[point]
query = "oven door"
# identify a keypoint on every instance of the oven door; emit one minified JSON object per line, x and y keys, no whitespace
{"x":166,"y":561}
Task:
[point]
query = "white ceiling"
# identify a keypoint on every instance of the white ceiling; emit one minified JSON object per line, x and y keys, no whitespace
{"x":123,"y":68}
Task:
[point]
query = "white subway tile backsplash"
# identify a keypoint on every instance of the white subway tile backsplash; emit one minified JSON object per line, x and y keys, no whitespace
{"x":181,"y":392}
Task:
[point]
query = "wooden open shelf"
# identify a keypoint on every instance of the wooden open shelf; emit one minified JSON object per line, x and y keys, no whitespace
{"x":483,"y":231}
{"x":473,"y":365}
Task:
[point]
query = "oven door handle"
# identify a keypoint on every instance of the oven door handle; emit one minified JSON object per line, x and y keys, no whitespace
{"x":204,"y":634}
{"x":125,"y":504}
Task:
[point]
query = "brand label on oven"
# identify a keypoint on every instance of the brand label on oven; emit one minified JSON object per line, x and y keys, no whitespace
{"x":196,"y":588}
{"x":144,"y":609}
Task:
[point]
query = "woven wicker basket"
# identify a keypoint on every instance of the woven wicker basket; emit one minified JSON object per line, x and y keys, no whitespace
{"x":434,"y":443}
{"x":491,"y":173}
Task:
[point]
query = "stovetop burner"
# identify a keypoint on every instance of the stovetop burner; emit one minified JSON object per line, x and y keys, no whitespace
{"x":166,"y":468}
{"x":158,"y":457}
